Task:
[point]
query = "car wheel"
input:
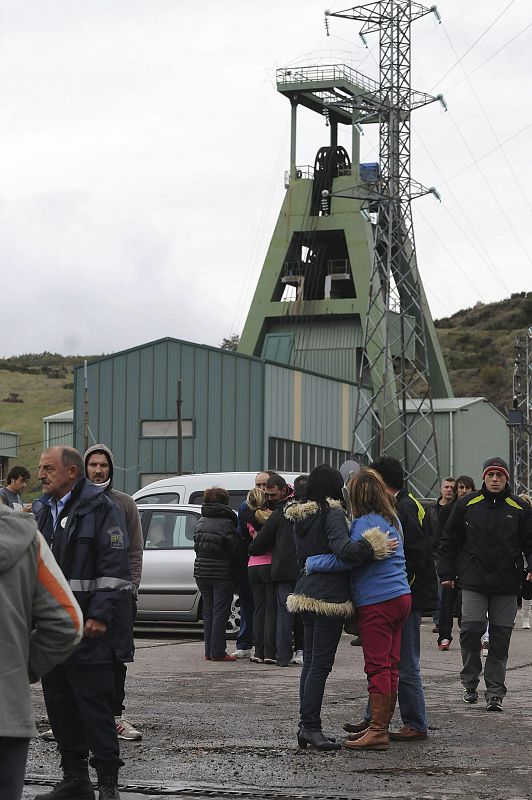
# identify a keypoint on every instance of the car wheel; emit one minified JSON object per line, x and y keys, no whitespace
{"x":233,"y":623}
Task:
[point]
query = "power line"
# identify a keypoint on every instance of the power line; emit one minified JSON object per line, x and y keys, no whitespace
{"x":488,"y":153}
{"x":490,"y":125}
{"x":40,"y":441}
{"x":463,"y":273}
{"x":472,"y":72}
{"x":493,"y":194}
{"x":485,"y":257}
{"x":477,"y":40}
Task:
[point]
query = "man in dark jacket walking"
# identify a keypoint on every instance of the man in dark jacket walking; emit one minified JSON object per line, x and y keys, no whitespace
{"x":482,"y":544}
{"x":86,"y":536}
{"x":436,"y":515}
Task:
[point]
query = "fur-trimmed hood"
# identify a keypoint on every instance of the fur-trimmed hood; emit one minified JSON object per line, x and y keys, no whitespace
{"x":297,"y":512}
{"x":296,"y":603}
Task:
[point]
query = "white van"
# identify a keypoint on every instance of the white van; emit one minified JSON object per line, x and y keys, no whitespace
{"x":188,"y":489}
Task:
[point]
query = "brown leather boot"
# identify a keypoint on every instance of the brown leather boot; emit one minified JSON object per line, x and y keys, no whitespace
{"x":376,"y":736}
{"x":362,"y":730}
{"x":356,"y":727}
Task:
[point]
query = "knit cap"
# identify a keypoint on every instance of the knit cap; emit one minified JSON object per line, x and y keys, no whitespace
{"x":495,"y":464}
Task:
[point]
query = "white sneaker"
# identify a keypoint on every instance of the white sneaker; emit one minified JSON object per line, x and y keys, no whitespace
{"x":242,"y":653}
{"x":297,"y":658}
{"x":125,"y":730}
{"x":526,"y":622}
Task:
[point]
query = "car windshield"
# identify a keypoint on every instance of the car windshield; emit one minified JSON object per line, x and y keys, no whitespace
{"x":160,"y":499}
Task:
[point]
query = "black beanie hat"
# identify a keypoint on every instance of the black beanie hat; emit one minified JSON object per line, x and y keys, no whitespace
{"x":493,"y":464}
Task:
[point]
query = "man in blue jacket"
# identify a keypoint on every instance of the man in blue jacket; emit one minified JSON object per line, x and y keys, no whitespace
{"x":88,"y":539}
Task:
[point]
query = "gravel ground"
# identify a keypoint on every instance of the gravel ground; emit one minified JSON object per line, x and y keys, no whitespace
{"x":231,"y":727}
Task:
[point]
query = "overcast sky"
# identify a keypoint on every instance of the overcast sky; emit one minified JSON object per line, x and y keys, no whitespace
{"x":143,"y":147}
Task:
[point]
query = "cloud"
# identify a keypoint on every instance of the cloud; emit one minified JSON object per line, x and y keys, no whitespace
{"x":143,"y":149}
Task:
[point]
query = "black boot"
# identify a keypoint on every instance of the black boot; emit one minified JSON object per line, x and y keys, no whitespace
{"x":108,"y":781}
{"x":315,"y":739}
{"x":300,"y":725}
{"x":75,"y":784}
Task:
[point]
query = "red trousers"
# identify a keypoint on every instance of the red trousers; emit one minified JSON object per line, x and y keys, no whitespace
{"x":380,"y":627}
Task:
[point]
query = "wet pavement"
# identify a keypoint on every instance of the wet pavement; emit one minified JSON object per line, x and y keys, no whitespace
{"x":228,"y":730}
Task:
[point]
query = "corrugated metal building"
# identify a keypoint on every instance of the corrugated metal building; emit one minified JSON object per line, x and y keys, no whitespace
{"x":58,"y":429}
{"x":9,"y":443}
{"x":469,"y":430}
{"x":239,"y":412}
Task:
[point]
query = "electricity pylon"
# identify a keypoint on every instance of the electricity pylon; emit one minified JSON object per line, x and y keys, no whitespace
{"x":520,"y":418}
{"x":405,"y":366}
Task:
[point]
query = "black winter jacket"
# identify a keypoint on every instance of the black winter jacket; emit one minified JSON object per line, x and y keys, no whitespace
{"x":220,"y":552}
{"x":326,"y":593}
{"x":436,"y":515}
{"x":419,"y":557}
{"x":483,"y":541}
{"x":277,"y":536}
{"x":90,"y":545}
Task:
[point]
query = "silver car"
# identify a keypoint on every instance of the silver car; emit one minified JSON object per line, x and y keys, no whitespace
{"x":168,"y":591}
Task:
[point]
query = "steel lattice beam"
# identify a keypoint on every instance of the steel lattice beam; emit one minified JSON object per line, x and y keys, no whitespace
{"x":400,"y":410}
{"x":522,"y":433}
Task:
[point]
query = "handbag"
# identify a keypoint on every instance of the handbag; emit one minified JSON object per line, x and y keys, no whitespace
{"x":351,"y":625}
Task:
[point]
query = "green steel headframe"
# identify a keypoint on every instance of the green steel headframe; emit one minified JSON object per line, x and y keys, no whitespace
{"x":339,"y":292}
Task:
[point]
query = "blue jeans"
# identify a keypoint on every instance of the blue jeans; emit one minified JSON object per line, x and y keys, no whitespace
{"x":410,"y":690}
{"x":217,"y":596}
{"x":322,"y":635}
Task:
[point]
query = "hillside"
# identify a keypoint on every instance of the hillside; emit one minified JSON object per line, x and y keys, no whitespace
{"x":44,"y":384}
{"x":478,"y":347}
{"x":477,"y":343}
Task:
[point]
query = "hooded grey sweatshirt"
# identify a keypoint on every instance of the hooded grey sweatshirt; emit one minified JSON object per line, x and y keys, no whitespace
{"x":40,"y":621}
{"x":129,"y":510}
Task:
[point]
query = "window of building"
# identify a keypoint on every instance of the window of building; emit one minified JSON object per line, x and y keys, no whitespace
{"x":165,"y":428}
{"x":290,"y":456}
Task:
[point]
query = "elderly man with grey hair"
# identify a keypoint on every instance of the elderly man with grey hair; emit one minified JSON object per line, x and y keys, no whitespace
{"x":87,"y":536}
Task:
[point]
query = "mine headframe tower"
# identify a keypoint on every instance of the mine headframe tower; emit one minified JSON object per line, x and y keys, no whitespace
{"x":339,"y":293}
{"x":399,"y":356}
{"x":520,"y":417}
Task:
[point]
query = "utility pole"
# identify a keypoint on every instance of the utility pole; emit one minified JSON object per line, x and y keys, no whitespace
{"x":179,"y":404}
{"x":85,"y":407}
{"x":397,"y":418}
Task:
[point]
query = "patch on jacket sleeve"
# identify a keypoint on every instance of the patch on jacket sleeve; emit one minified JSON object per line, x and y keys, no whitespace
{"x":116,"y":538}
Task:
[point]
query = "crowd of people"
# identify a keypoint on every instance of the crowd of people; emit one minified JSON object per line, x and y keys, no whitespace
{"x":354,"y":551}
{"x":301,"y":544}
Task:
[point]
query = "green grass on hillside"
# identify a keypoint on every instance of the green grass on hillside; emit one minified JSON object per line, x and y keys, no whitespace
{"x":42,"y":396}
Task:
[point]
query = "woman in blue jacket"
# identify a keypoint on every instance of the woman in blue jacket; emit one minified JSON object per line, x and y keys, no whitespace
{"x":320,"y":526}
{"x":381,"y":596}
